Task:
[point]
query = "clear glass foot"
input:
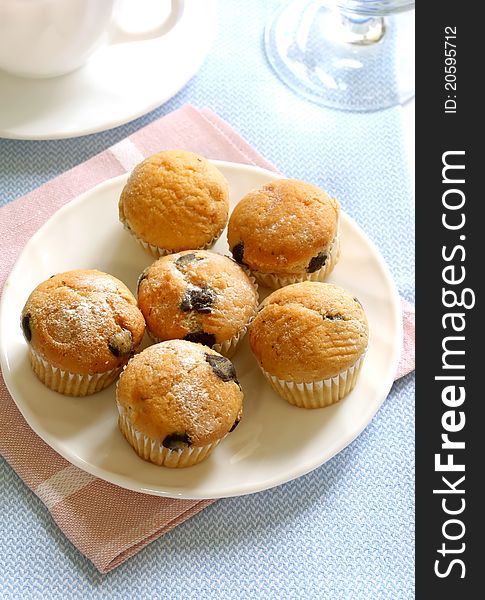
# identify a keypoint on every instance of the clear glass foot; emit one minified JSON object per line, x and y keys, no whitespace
{"x":343,"y":54}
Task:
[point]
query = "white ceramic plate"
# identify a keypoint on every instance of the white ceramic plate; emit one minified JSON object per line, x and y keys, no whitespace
{"x":275,"y":442}
{"x":119,"y":83}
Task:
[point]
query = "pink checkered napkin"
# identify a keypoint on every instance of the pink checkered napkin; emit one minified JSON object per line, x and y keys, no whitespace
{"x":105,"y":522}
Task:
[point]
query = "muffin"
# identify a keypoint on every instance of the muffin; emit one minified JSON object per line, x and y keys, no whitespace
{"x":82,"y":326}
{"x":175,"y":200}
{"x":309,"y":339}
{"x":177,"y":400}
{"x":198,"y":296}
{"x":286,"y":232}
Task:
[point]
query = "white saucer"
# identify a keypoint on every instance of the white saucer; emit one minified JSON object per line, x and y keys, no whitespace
{"x":119,"y":83}
{"x":275,"y":442}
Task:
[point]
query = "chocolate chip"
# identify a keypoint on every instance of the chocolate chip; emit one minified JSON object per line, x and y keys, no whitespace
{"x":177,"y":441}
{"x":143,"y":276}
{"x":198,"y":299}
{"x":238,"y":253}
{"x":236,"y":423}
{"x":317,"y":262}
{"x":26,"y":327}
{"x":121,"y":343}
{"x":186,"y":304}
{"x":201,"y":337}
{"x":184,"y":260}
{"x":222,"y":367}
{"x":336,"y":317}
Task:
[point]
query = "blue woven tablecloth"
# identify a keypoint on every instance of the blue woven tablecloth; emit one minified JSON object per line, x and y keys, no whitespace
{"x":345,"y":530}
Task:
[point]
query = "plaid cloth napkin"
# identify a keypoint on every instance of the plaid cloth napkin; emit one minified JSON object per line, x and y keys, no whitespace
{"x":106,"y":523}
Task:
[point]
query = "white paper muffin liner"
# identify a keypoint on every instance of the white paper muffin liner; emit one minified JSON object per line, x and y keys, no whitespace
{"x":70,"y":384}
{"x":317,"y":394}
{"x":158,"y":252}
{"x":274,"y":281}
{"x":155,"y":452}
{"x":229,"y":347}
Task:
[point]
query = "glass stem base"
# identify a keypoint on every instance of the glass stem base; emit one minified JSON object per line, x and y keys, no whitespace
{"x":343,"y":60}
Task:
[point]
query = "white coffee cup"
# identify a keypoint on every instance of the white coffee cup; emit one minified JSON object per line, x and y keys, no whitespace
{"x":47,"y":38}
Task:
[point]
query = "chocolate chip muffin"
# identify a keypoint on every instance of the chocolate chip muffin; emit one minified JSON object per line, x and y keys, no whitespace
{"x":177,"y":400}
{"x":309,"y":340}
{"x":175,"y":200}
{"x":82,"y":327}
{"x":286,"y":232}
{"x":198,"y":296}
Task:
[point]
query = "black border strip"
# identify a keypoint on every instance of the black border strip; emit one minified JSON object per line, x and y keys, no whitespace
{"x":449,"y":403}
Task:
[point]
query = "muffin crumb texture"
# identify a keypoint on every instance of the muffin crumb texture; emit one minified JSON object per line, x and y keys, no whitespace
{"x":198,"y":296}
{"x":309,"y":332}
{"x":285,"y":227}
{"x":83,"y":321}
{"x":175,"y":200}
{"x":172,"y":393}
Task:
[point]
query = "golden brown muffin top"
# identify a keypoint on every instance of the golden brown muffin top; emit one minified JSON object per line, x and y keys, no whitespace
{"x":196,"y":293}
{"x":83,"y":321}
{"x":175,"y":200}
{"x":178,"y":391}
{"x":284,"y":227}
{"x":308,"y":332}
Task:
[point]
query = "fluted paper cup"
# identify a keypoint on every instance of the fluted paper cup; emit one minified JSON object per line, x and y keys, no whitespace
{"x":317,"y":394}
{"x":71,"y":384}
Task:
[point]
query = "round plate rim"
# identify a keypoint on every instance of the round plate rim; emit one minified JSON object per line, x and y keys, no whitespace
{"x":243,"y":489}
